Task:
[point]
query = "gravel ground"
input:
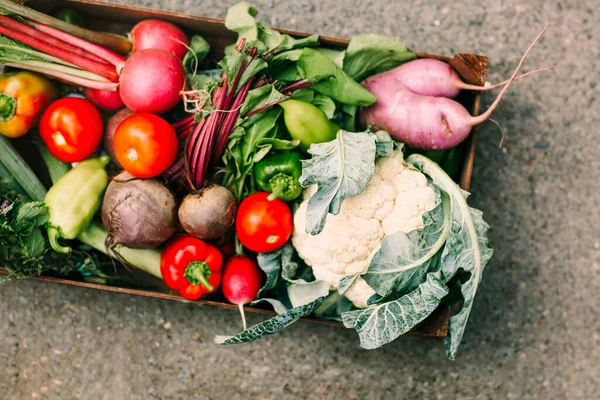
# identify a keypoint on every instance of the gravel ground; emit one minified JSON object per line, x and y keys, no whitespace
{"x":534,"y":331}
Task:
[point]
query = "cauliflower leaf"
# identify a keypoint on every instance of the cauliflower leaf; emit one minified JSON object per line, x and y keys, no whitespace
{"x":379,"y":325}
{"x":466,"y":249}
{"x":341,"y":168}
{"x":405,"y":258}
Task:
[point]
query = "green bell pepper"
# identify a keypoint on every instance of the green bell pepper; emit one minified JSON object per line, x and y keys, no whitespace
{"x":74,"y":199}
{"x":280,"y":174}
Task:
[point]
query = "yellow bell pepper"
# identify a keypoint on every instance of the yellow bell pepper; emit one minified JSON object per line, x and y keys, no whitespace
{"x":23,"y":98}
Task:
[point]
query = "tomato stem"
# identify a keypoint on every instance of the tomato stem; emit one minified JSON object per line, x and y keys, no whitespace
{"x":197,"y":273}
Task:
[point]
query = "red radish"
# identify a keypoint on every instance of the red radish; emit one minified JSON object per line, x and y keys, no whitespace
{"x":424,"y":122}
{"x":105,"y":99}
{"x":157,"y":34}
{"x":152,"y":81}
{"x":241,"y":281}
{"x":431,"y":77}
{"x":109,"y":134}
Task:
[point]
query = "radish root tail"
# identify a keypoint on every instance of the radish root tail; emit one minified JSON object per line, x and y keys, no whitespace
{"x":466,"y":86}
{"x":479,"y":119}
{"x":501,"y":131}
{"x":243,"y":314}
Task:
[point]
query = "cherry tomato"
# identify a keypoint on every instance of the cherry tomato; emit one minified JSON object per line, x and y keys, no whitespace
{"x":263,"y":225}
{"x":145,"y":145}
{"x":72,"y":129}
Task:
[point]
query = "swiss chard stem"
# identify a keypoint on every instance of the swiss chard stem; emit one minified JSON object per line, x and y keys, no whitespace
{"x":54,"y":41}
{"x":64,"y":76}
{"x":34,"y":53}
{"x":105,"y":70}
{"x":116,"y":43}
{"x":74,"y":71}
{"x":98,"y":51}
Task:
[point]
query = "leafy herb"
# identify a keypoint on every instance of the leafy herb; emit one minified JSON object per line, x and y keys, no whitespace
{"x":371,"y":54}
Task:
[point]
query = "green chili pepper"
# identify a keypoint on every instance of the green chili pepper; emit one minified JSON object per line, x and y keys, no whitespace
{"x":307,"y":123}
{"x":280,"y":174}
{"x":70,"y":16}
{"x":74,"y":199}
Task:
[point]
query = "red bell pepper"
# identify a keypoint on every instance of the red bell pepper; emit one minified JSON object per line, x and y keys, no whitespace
{"x":191,"y":266}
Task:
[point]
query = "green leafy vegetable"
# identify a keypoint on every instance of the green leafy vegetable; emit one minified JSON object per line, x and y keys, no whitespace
{"x":467,"y":247}
{"x":381,"y":324}
{"x":405,"y":258}
{"x":341,"y":168}
{"x":261,"y":97}
{"x":199,"y":49}
{"x":325,"y":104}
{"x":270,"y":326}
{"x":241,"y":19}
{"x":331,"y":80}
{"x":371,"y":54}
{"x":337,"y":56}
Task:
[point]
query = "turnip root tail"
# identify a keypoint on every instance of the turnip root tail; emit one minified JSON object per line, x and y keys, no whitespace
{"x":479,"y":119}
{"x":466,"y":86}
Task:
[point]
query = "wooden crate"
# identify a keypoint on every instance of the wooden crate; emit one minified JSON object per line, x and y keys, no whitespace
{"x":120,"y":18}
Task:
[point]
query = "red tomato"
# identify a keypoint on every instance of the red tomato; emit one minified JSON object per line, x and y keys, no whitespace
{"x":191,"y":266}
{"x":72,"y":129}
{"x":145,"y":145}
{"x":263,"y":225}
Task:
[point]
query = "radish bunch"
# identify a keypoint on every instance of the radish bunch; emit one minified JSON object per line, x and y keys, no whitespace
{"x":414,"y":103}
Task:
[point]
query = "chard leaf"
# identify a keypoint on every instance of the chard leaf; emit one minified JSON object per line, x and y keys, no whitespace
{"x":325,"y":104}
{"x":241,"y":19}
{"x":249,"y":139}
{"x":337,"y":56}
{"x":341,"y":168}
{"x":466,"y":249}
{"x":199,"y":49}
{"x":371,"y":54}
{"x":404,"y":259}
{"x":305,"y":95}
{"x":260,"y":97}
{"x":270,"y":326}
{"x":381,"y":324}
{"x":331,"y":80}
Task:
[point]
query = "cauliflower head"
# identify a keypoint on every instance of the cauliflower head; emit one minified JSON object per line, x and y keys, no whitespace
{"x":395,"y":200}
